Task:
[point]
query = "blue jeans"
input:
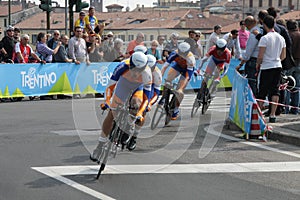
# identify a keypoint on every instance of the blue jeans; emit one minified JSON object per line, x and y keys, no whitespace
{"x":292,"y":98}
{"x":250,"y":71}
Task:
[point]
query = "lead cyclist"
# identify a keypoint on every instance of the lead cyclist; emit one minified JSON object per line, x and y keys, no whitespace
{"x":128,"y":76}
{"x":219,"y":57}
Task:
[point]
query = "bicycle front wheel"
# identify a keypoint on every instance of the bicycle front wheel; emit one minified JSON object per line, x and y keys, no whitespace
{"x":158,"y":115}
{"x":206,"y":102}
{"x":195,"y":107}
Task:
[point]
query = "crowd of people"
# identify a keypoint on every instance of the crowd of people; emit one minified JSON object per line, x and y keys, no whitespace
{"x":250,"y":43}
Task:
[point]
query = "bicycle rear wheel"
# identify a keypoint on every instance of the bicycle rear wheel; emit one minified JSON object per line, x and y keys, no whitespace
{"x":158,"y":115}
{"x":170,"y":109}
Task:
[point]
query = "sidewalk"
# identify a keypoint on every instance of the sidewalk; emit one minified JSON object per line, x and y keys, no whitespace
{"x":286,"y":129}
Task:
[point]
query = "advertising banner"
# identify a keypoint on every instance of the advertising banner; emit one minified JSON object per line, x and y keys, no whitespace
{"x":19,"y":80}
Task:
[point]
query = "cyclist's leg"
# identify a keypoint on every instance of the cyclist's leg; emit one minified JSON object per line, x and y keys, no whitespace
{"x":172,"y":74}
{"x":106,"y":128}
{"x":215,"y":80}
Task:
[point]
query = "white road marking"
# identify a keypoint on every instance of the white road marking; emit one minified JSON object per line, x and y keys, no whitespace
{"x":58,"y":172}
{"x":211,"y":129}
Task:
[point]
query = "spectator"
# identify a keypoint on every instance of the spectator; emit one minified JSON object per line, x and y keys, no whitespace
{"x":214,"y":36}
{"x":52,"y":43}
{"x":171,"y":45}
{"x":44,"y":52}
{"x":281,"y":22}
{"x":91,"y":22}
{"x":243,"y":36}
{"x":293,"y":97}
{"x":97,"y":54}
{"x":198,"y":41}
{"x":108,"y":44}
{"x":80,"y":21}
{"x":233,"y":44}
{"x":114,"y":54}
{"x":193,"y":43}
{"x":23,"y":51}
{"x":153,"y":51}
{"x":251,"y":53}
{"x":272,"y":49}
{"x":62,"y":55}
{"x":161,"y":45}
{"x":133,"y":43}
{"x":8,"y":43}
{"x":17,"y":35}
{"x":77,"y":47}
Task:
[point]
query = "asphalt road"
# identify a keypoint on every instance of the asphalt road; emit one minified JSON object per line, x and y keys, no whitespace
{"x":45,"y":145}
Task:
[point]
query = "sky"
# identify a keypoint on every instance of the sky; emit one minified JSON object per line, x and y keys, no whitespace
{"x":131,"y":3}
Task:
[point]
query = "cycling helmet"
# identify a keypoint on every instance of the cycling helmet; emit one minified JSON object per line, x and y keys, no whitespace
{"x":138,"y":60}
{"x":183,"y":48}
{"x":140,"y":48}
{"x":151,"y":61}
{"x":221,"y":44}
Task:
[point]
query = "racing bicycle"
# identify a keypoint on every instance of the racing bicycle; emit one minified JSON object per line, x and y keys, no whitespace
{"x":166,"y":105}
{"x":123,"y":124}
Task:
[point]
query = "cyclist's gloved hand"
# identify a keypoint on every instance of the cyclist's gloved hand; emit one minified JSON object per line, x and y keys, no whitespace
{"x":43,"y":62}
{"x":139,"y":118}
{"x":104,"y":106}
{"x":148,"y":109}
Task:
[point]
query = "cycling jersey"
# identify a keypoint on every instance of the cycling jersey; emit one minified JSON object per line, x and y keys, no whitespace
{"x":90,"y":20}
{"x":184,"y":65}
{"x":124,"y":81}
{"x":217,"y":60}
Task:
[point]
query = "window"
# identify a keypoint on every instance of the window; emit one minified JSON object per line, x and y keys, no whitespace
{"x":137,"y":21}
{"x":270,"y":3}
{"x":34,"y":38}
{"x":130,"y":37}
{"x":251,"y":3}
{"x":260,"y":3}
{"x":151,"y":37}
{"x":279,"y":3}
{"x":122,"y":37}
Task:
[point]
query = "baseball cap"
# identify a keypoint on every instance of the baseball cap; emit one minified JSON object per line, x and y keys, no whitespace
{"x":10,"y":28}
{"x":110,"y":33}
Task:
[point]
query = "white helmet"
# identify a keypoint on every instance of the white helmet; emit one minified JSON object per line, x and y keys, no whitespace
{"x":140,"y":48}
{"x":184,"y":47}
{"x":138,"y":60}
{"x":221,"y":44}
{"x":151,"y":60}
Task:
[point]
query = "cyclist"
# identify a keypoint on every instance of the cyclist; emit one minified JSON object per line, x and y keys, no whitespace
{"x":219,"y":56}
{"x":129,"y":75}
{"x":155,"y":91}
{"x":182,"y":62}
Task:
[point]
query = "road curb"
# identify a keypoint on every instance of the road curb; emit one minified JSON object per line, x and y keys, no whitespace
{"x":278,"y":133}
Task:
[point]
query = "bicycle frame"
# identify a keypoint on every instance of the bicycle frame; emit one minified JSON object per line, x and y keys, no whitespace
{"x":167,"y":108}
{"x":120,"y":125}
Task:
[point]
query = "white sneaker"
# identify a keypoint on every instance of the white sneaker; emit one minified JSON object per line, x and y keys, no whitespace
{"x":95,"y":156}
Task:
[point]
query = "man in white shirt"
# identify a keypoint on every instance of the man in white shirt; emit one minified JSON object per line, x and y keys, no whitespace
{"x":272,"y":50}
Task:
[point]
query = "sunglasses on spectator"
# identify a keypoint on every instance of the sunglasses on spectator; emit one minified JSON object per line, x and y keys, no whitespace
{"x":197,"y":35}
{"x":56,"y":33}
{"x":110,"y":36}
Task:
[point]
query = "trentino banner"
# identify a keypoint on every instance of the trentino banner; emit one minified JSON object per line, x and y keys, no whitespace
{"x":19,"y":80}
